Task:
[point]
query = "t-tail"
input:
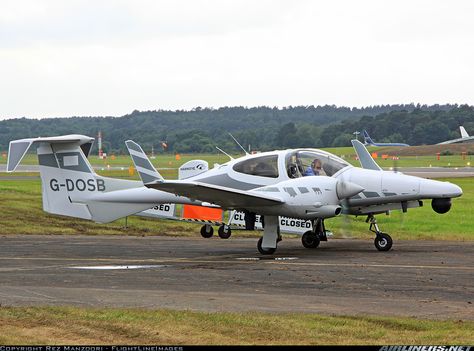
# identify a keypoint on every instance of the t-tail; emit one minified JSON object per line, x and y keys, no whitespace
{"x":70,"y":187}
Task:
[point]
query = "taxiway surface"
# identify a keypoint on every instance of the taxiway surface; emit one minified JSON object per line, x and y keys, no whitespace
{"x":428,"y":279}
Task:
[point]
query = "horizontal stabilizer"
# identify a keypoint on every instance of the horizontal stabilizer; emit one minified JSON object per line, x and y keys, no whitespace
{"x":18,"y":148}
{"x":365,"y":159}
{"x":104,"y":212}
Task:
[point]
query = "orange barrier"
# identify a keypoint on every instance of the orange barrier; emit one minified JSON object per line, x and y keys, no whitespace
{"x":374,"y":155}
{"x":199,"y":212}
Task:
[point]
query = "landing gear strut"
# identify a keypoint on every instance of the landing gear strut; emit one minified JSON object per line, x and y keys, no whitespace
{"x":382,"y":241}
{"x":267,"y":244}
{"x":264,"y":251}
{"x":312,"y":238}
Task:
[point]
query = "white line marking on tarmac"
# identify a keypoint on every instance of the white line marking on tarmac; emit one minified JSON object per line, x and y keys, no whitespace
{"x":179,"y":260}
{"x":119,"y":267}
{"x":267,"y":258}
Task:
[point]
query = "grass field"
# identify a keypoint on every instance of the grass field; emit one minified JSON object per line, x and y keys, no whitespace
{"x":68,"y":325}
{"x":22,"y":213}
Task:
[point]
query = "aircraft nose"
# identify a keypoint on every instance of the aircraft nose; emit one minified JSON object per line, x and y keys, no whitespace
{"x":345,"y":189}
{"x":437,"y":189}
{"x":456,"y":190}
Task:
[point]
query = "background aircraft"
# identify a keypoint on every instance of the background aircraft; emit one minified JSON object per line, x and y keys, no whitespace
{"x":368,"y":141}
{"x":271,"y":173}
{"x":465,"y":138}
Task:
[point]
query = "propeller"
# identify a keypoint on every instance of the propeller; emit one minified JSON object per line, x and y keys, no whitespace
{"x":346,"y":189}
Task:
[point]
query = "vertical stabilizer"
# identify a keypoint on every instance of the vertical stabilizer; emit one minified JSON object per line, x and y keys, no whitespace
{"x":145,"y":168}
{"x":463,"y":132}
{"x":365,"y":159}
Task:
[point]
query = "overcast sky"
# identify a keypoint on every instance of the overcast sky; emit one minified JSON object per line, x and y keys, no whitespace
{"x":93,"y":58}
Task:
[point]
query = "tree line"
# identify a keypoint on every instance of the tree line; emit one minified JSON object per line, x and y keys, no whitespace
{"x":260,"y":128}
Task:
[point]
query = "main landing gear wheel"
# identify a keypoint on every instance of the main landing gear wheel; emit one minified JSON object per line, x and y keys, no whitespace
{"x":310,"y":240}
{"x":207,"y":231}
{"x":266,"y":251}
{"x":224,"y":232}
{"x":383,"y":242}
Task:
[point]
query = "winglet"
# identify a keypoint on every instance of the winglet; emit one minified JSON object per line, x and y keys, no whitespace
{"x":147,"y":172}
{"x":365,"y":159}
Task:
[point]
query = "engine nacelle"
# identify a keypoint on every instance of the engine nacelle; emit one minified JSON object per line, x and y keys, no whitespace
{"x":441,"y":205}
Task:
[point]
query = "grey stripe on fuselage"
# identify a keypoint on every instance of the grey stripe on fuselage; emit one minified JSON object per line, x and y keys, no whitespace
{"x":49,"y":160}
{"x":225,"y":180}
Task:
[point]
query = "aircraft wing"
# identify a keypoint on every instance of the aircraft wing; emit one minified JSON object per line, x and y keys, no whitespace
{"x":219,"y":195}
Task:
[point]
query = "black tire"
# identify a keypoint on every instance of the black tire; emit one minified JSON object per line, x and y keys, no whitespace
{"x":207,"y":231}
{"x":310,"y":240}
{"x":268,"y":251}
{"x":383,"y":242}
{"x":224,"y":232}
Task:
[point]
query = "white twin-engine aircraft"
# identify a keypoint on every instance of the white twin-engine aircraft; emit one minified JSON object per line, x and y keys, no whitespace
{"x":272,"y":184}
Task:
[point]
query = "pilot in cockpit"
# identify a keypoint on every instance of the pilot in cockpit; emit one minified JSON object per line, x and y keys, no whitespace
{"x":315,"y":168}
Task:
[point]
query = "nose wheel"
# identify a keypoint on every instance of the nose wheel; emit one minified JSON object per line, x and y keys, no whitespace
{"x":382,"y":241}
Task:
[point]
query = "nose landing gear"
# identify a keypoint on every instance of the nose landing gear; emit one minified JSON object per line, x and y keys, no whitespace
{"x":382,"y":241}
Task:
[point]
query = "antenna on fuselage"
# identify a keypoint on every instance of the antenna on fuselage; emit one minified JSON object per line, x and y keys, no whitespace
{"x":225,"y":153}
{"x":246,"y":153}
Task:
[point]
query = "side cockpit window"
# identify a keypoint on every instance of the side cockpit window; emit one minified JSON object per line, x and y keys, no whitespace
{"x":264,"y":166}
{"x":312,"y":163}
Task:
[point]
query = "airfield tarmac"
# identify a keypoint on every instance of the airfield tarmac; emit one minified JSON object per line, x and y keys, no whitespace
{"x":425,"y":279}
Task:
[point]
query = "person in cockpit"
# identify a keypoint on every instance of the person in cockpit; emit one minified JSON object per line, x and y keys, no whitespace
{"x":315,"y":169}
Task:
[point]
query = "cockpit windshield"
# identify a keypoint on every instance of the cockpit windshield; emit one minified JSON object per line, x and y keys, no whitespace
{"x":313,"y":162}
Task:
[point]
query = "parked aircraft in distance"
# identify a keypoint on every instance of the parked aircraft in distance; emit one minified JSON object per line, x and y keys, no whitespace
{"x":465,"y":138}
{"x":369,"y":142}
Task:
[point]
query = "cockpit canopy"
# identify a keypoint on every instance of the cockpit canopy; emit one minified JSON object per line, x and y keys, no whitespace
{"x":262,"y":166}
{"x":296,"y":163}
{"x":300,"y":163}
